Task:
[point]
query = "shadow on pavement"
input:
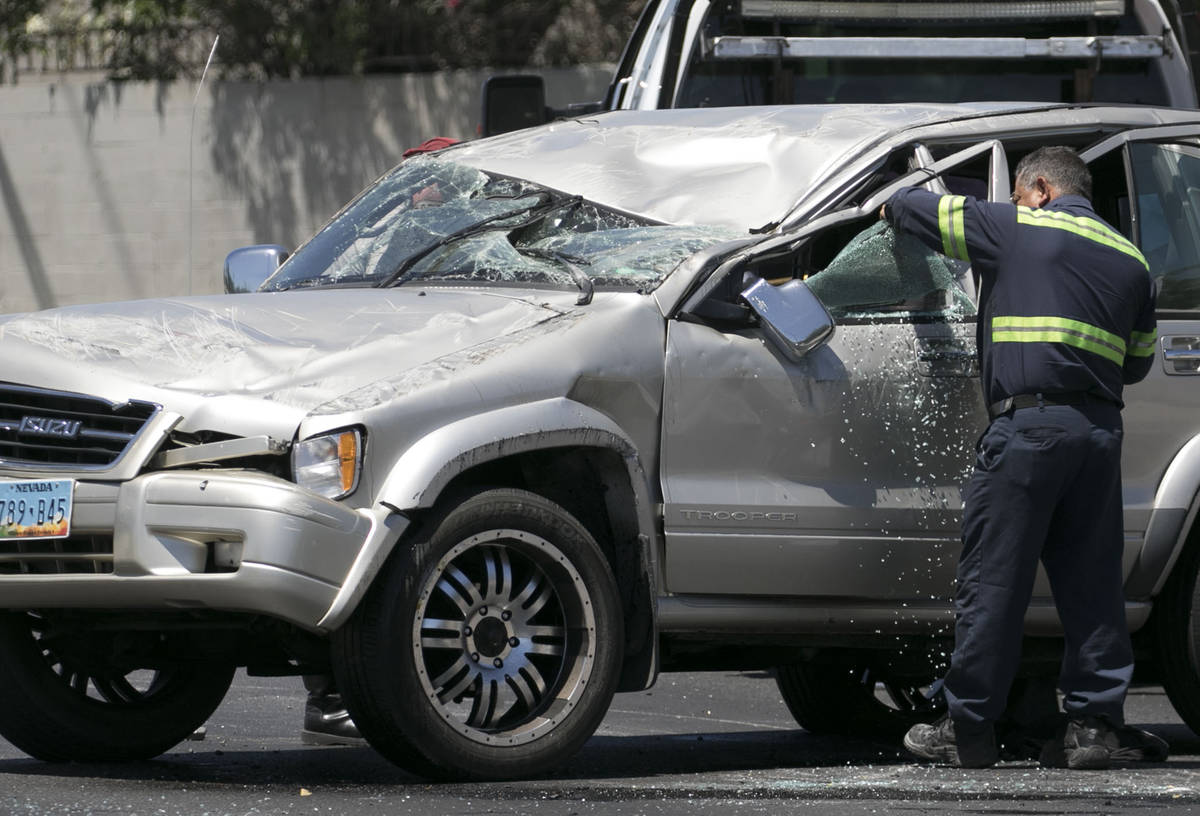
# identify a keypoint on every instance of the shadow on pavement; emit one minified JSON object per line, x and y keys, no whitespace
{"x":603,"y":757}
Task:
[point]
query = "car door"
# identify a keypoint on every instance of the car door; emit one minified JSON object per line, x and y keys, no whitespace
{"x":1153,"y":195}
{"x":838,"y":476}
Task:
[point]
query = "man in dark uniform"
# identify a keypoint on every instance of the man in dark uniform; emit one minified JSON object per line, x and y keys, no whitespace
{"x":1066,"y":319}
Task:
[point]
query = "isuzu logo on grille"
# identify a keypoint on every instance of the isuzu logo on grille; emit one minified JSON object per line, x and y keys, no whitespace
{"x":48,"y":426}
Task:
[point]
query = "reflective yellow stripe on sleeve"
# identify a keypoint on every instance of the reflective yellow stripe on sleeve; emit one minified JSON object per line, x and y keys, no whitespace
{"x":1141,"y":344}
{"x":952,"y":225}
{"x":1045,"y":329}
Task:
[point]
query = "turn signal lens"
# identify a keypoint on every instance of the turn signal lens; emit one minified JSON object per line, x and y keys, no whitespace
{"x":329,"y":464}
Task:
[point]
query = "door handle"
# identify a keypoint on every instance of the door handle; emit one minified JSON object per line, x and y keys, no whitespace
{"x":945,"y":357}
{"x":956,"y":355}
{"x":1181,"y":354}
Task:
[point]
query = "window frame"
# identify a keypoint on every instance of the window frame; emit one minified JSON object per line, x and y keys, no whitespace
{"x":928,"y":173}
{"x":1123,"y":141}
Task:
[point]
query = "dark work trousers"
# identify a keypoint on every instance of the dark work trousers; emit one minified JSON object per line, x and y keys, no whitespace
{"x":1047,"y":484}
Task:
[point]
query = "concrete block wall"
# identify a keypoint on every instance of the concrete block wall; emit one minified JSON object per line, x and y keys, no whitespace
{"x":116,"y":191}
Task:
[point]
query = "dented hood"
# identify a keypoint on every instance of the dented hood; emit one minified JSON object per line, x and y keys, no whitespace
{"x":297,"y":350}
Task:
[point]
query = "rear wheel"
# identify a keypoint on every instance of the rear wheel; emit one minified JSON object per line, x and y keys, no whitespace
{"x":62,"y":702}
{"x":489,"y":649}
{"x":837,"y":699}
{"x":1177,"y":637}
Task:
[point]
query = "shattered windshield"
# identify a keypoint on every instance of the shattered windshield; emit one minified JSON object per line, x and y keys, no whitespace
{"x":435,"y":220}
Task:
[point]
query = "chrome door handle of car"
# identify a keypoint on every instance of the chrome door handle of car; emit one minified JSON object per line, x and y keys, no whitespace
{"x":1181,"y":354}
{"x":945,"y":357}
{"x":955,"y":355}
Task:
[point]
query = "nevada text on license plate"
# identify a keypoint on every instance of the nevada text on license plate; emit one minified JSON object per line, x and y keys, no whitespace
{"x":36,"y":508}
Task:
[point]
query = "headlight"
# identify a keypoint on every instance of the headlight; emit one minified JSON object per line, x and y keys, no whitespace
{"x":328,"y":464}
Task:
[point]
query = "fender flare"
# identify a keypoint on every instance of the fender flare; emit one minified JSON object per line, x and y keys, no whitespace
{"x":1175,"y":507}
{"x":420,"y":474}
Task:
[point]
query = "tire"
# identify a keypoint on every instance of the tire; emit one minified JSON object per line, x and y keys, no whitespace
{"x":1176,"y":633}
{"x":56,"y":710}
{"x":839,"y":700}
{"x":490,"y":648}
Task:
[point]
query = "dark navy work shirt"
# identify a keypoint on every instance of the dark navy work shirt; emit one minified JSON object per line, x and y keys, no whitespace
{"x":1067,"y":303}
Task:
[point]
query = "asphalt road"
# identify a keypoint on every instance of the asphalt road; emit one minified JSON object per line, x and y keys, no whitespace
{"x":698,"y":743}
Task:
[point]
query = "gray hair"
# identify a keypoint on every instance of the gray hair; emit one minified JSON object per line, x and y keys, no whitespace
{"x":1061,"y":167}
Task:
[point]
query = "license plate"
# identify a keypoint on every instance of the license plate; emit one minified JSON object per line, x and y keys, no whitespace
{"x":36,"y":508}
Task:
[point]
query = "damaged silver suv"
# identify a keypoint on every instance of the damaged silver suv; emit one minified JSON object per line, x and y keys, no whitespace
{"x":540,"y":416}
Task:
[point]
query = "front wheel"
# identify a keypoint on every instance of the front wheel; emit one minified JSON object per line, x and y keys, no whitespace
{"x":489,"y":649}
{"x":65,"y":698}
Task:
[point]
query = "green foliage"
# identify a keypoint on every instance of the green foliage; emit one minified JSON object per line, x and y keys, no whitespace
{"x":163,"y":39}
{"x":14,"y":15}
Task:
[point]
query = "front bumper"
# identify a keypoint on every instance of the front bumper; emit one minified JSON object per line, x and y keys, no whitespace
{"x":221,"y":540}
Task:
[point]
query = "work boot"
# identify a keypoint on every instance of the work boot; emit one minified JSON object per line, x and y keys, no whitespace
{"x":1082,"y":743}
{"x":1129,"y":744}
{"x":938,"y":743}
{"x":327,"y":722}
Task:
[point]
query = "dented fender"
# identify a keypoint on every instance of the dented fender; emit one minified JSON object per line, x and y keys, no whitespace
{"x":422,"y":472}
{"x":427,"y":466}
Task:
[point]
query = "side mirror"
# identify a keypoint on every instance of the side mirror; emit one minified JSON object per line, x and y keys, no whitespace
{"x":512,"y":102}
{"x":794,"y":320}
{"x":248,"y":267}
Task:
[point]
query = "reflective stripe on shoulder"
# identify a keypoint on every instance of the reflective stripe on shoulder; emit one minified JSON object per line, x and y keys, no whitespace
{"x":1141,"y":344}
{"x":1088,"y":228}
{"x":952,"y":226}
{"x":1046,"y":329}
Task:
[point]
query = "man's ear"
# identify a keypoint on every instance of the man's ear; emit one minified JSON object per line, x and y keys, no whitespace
{"x":1044,"y":190}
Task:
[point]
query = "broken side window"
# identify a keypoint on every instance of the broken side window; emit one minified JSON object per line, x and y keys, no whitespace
{"x":886,"y":273}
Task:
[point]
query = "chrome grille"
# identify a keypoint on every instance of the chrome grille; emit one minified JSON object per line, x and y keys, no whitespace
{"x":77,"y":554}
{"x":59,"y":429}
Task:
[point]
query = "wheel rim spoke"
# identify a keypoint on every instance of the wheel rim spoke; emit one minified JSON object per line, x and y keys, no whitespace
{"x":441,"y":625}
{"x":459,"y":666}
{"x":499,"y":572}
{"x":117,"y":690}
{"x":528,"y":685}
{"x":552,"y":649}
{"x":535,"y":596}
{"x":521,"y":601}
{"x":437,"y":633}
{"x":457,"y":690}
{"x":464,"y":595}
{"x":483,"y":709}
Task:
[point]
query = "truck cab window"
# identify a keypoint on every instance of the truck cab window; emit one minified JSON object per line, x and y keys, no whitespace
{"x":712,"y":78}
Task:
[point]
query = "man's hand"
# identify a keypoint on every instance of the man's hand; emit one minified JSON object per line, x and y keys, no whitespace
{"x":883,"y":212}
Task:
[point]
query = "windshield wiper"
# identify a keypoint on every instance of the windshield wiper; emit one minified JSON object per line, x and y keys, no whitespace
{"x":347,"y":282}
{"x":537,"y":211}
{"x":587,"y":287}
